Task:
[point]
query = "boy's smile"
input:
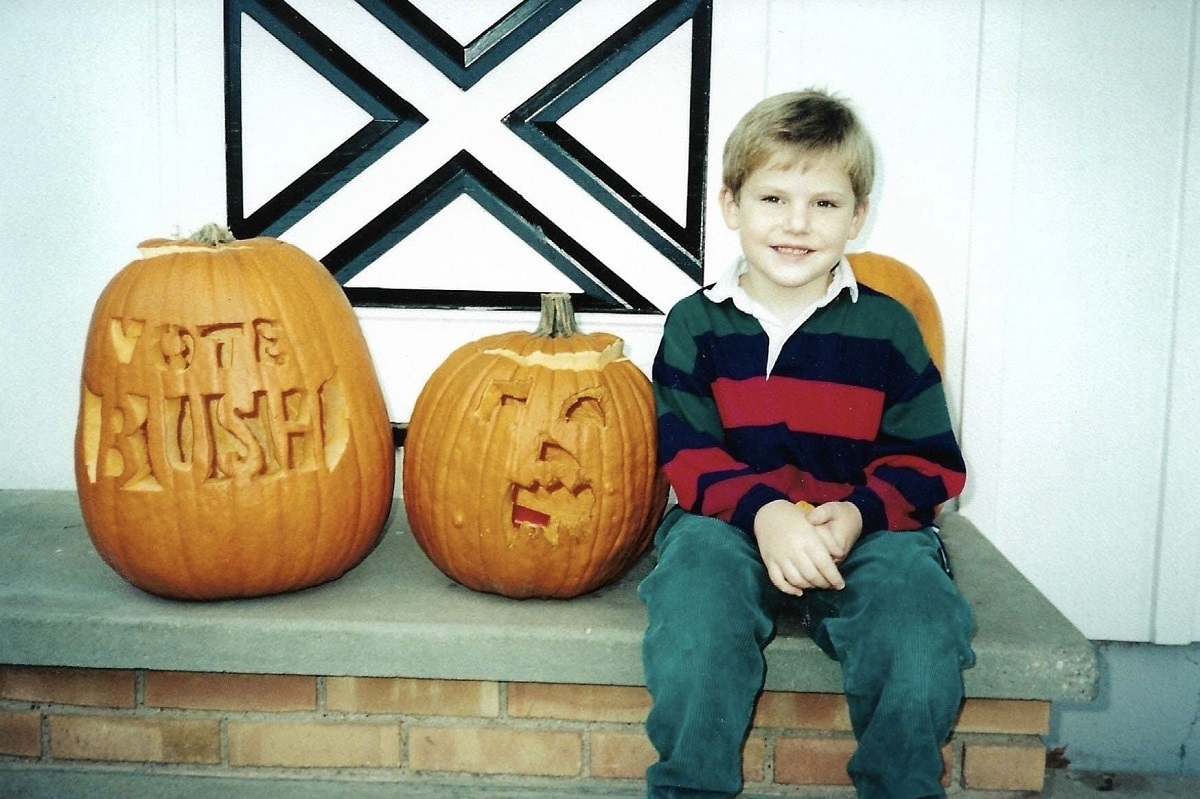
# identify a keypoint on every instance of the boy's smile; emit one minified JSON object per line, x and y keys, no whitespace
{"x":794,"y":218}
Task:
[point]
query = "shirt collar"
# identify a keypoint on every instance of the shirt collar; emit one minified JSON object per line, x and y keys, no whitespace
{"x":728,"y":287}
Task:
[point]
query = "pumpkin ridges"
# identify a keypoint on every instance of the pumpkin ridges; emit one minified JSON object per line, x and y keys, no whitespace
{"x":223,"y":550}
{"x":621,"y":541}
{"x":253,"y":548}
{"x":423,"y":413}
{"x":315,"y":551}
{"x":572,"y":568}
{"x":482,"y":543}
{"x":183,"y":544}
{"x":655,"y":488}
{"x":603,"y":498}
{"x":140,"y":283}
{"x":493,"y":538}
{"x":560,"y":555}
{"x":103,"y":513}
{"x":337,"y":317}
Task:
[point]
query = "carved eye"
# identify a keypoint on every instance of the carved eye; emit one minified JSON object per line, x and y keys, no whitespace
{"x":500,"y":394}
{"x":586,"y":407}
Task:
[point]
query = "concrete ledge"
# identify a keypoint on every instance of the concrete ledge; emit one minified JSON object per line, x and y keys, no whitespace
{"x":396,"y":615}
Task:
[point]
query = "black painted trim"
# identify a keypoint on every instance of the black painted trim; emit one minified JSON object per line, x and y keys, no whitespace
{"x":393,"y":118}
{"x":466,"y":65}
{"x":464,"y":174}
{"x":535,"y":121}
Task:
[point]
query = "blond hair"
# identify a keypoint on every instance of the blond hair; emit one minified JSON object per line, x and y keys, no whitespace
{"x":799,"y":125}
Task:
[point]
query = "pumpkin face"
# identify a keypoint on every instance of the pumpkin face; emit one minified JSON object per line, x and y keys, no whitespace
{"x":232,"y":438}
{"x":530,"y":464}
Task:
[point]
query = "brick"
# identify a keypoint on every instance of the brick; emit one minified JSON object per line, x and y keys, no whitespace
{"x":21,"y":734}
{"x":314,"y":744}
{"x":819,"y":760}
{"x":627,"y":755}
{"x":209,"y":691}
{"x":414,"y":697}
{"x":578,"y":702}
{"x":135,"y":739}
{"x":754,"y":759}
{"x":1005,"y":716}
{"x":620,"y":755}
{"x":91,"y":687}
{"x":799,"y":711}
{"x":1008,"y":766}
{"x":496,"y":750}
{"x":813,"y":760}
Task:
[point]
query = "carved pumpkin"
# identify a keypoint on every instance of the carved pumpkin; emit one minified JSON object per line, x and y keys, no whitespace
{"x":903,"y":283}
{"x":530,"y":465}
{"x":232,"y":438}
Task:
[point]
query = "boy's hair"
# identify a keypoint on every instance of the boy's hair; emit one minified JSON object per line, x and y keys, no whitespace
{"x":797,"y":125}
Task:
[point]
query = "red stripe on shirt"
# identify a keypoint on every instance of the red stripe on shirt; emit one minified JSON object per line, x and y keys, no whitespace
{"x":896,"y":506}
{"x":804,"y":406}
{"x":721,"y":498}
{"x":689,"y":465}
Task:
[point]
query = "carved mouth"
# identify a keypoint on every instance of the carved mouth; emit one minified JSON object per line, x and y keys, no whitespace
{"x":522,"y":514}
{"x":548,"y":510}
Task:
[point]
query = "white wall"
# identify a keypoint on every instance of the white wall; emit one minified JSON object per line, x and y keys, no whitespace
{"x":1076,"y":295}
{"x":1039,"y":166}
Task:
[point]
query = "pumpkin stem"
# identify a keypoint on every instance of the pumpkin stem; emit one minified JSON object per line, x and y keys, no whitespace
{"x":212,"y":234}
{"x":558,"y":317}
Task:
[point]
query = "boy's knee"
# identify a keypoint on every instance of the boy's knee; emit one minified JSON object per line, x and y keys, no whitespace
{"x":708,"y":583}
{"x":706,"y":549}
{"x":904,"y":594}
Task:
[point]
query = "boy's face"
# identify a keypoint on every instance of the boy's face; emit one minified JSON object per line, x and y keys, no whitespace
{"x":794,"y":217}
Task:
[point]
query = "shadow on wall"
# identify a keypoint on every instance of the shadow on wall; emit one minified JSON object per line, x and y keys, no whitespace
{"x":1146,"y":718}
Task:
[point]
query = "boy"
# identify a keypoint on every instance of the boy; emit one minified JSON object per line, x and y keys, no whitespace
{"x":786,"y":385}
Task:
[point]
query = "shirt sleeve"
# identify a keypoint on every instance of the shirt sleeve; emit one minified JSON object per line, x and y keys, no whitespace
{"x":915,"y":462}
{"x":708,"y":479}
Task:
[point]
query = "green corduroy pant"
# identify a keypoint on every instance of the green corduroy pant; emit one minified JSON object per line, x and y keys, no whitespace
{"x":900,"y":630}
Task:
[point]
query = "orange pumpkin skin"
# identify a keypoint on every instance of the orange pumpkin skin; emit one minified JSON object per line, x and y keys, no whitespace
{"x":232,"y":438}
{"x":903,"y":283}
{"x":530,"y":465}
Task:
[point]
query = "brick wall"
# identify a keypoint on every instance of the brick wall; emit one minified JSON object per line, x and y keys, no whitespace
{"x":404,"y":728}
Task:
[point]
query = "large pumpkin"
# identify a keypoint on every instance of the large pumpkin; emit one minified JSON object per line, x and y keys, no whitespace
{"x":232,"y":438}
{"x":530,"y":464}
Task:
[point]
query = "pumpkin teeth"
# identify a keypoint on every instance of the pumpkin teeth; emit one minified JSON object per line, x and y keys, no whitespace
{"x":549,"y":509}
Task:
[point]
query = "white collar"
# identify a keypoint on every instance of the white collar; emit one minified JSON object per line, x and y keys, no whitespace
{"x":727,"y":287}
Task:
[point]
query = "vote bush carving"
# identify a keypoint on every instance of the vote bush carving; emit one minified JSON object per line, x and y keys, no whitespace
{"x":232,"y":437}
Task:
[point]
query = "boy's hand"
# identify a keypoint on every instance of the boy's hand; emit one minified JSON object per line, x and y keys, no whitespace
{"x":799,"y":554}
{"x":843,"y":522}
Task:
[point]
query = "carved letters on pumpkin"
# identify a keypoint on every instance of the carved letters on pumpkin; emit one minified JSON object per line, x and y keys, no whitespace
{"x":213,"y":400}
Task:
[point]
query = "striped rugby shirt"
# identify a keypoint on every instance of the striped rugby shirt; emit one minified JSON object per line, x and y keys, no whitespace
{"x":853,"y":409}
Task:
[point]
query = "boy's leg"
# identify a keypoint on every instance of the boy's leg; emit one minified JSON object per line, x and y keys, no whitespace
{"x":901,"y":631}
{"x":708,"y":599}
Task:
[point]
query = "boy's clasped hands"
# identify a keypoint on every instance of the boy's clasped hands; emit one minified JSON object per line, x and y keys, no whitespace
{"x":802,"y":546}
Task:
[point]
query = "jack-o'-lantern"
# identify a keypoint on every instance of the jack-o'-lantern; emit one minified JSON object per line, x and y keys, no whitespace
{"x":232,"y":438}
{"x":530,"y":465}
